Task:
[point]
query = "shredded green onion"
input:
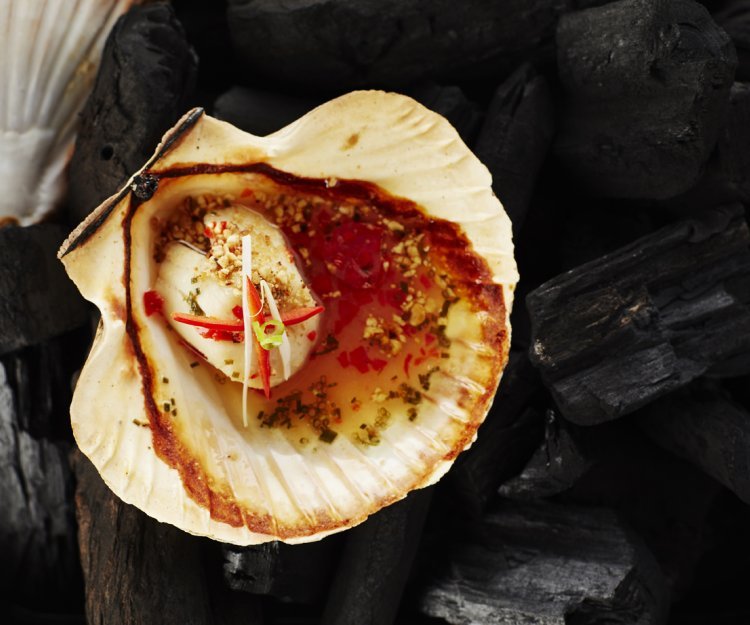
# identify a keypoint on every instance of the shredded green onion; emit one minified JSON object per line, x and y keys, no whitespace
{"x":269,"y":334}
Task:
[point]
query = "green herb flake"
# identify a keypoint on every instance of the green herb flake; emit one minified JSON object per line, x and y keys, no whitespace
{"x":328,"y":436}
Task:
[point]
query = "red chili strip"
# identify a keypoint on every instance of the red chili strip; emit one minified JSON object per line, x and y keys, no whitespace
{"x":298,"y":315}
{"x":209,"y":323}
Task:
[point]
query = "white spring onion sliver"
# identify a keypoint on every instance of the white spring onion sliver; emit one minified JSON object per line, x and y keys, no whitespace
{"x":285,"y":349}
{"x":247,"y":272}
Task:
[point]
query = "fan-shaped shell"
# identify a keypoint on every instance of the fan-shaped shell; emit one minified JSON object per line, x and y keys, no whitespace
{"x":169,"y":438}
{"x":49,"y":54}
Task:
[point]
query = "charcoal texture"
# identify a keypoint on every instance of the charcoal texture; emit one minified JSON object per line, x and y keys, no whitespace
{"x":376,"y":563}
{"x":37,"y":299}
{"x":732,"y":155}
{"x":735,"y":20}
{"x":292,"y":573}
{"x":261,"y":112}
{"x":564,"y":456}
{"x":646,"y":87}
{"x":37,"y":530}
{"x":548,"y":564}
{"x":146,"y":76}
{"x":614,"y":334}
{"x":137,"y":571}
{"x":340,"y":44}
{"x":516,"y":137}
{"x":704,"y":426}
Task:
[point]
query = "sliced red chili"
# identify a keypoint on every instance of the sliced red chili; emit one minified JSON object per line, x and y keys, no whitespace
{"x":152,"y":303}
{"x":298,"y":315}
{"x":209,"y":323}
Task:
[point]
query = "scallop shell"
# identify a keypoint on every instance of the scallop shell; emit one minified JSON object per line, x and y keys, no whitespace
{"x":49,"y":54}
{"x":201,"y":470}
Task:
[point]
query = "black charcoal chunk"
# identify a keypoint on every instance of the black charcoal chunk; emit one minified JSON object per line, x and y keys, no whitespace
{"x":735,"y":20}
{"x":515,"y":138}
{"x":136,"y":570}
{"x":548,"y":564}
{"x":614,"y":334}
{"x":261,"y":112}
{"x":506,"y":439}
{"x":646,"y":87}
{"x":450,"y":102}
{"x":340,"y":44}
{"x":704,"y":426}
{"x":565,"y":455}
{"x":37,"y":528}
{"x":291,"y":573}
{"x":376,"y":562}
{"x":145,"y":78}
{"x":37,"y":299}
{"x":732,"y":154}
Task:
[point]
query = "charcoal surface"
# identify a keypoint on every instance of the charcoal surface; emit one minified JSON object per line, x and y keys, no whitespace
{"x":735,"y":20}
{"x":37,"y":299}
{"x":646,"y":87}
{"x":616,"y":333}
{"x":261,"y":112}
{"x":565,"y":454}
{"x":506,"y":439}
{"x":515,"y":137}
{"x":732,"y":155}
{"x":548,"y":564}
{"x":37,"y":530}
{"x":704,"y":426}
{"x":146,"y":76}
{"x":292,"y":573}
{"x":376,"y":562}
{"x":663,"y":498}
{"x":341,"y":44}
{"x":136,"y":570}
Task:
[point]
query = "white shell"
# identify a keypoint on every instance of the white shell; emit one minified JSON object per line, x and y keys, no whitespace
{"x":49,"y":54}
{"x":283,"y":491}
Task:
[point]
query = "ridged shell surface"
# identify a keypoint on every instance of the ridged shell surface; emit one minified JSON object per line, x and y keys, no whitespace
{"x":49,"y":54}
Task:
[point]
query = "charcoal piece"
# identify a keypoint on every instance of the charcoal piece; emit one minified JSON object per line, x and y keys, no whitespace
{"x":618,"y":332}
{"x":515,"y":138}
{"x":340,"y":44}
{"x":735,"y":20}
{"x":665,"y":499}
{"x":234,"y":608}
{"x":732,"y":157}
{"x":646,"y":87}
{"x":261,"y":112}
{"x":376,"y":562}
{"x":37,"y":299}
{"x":450,"y":102}
{"x":136,"y":570}
{"x":506,"y":439}
{"x":145,"y":78}
{"x":565,"y":455}
{"x":704,"y":426}
{"x":37,"y":529}
{"x":548,"y":564}
{"x":292,"y":573}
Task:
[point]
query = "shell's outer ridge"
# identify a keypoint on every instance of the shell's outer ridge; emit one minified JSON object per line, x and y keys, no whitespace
{"x":367,"y":478}
{"x":49,"y":53}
